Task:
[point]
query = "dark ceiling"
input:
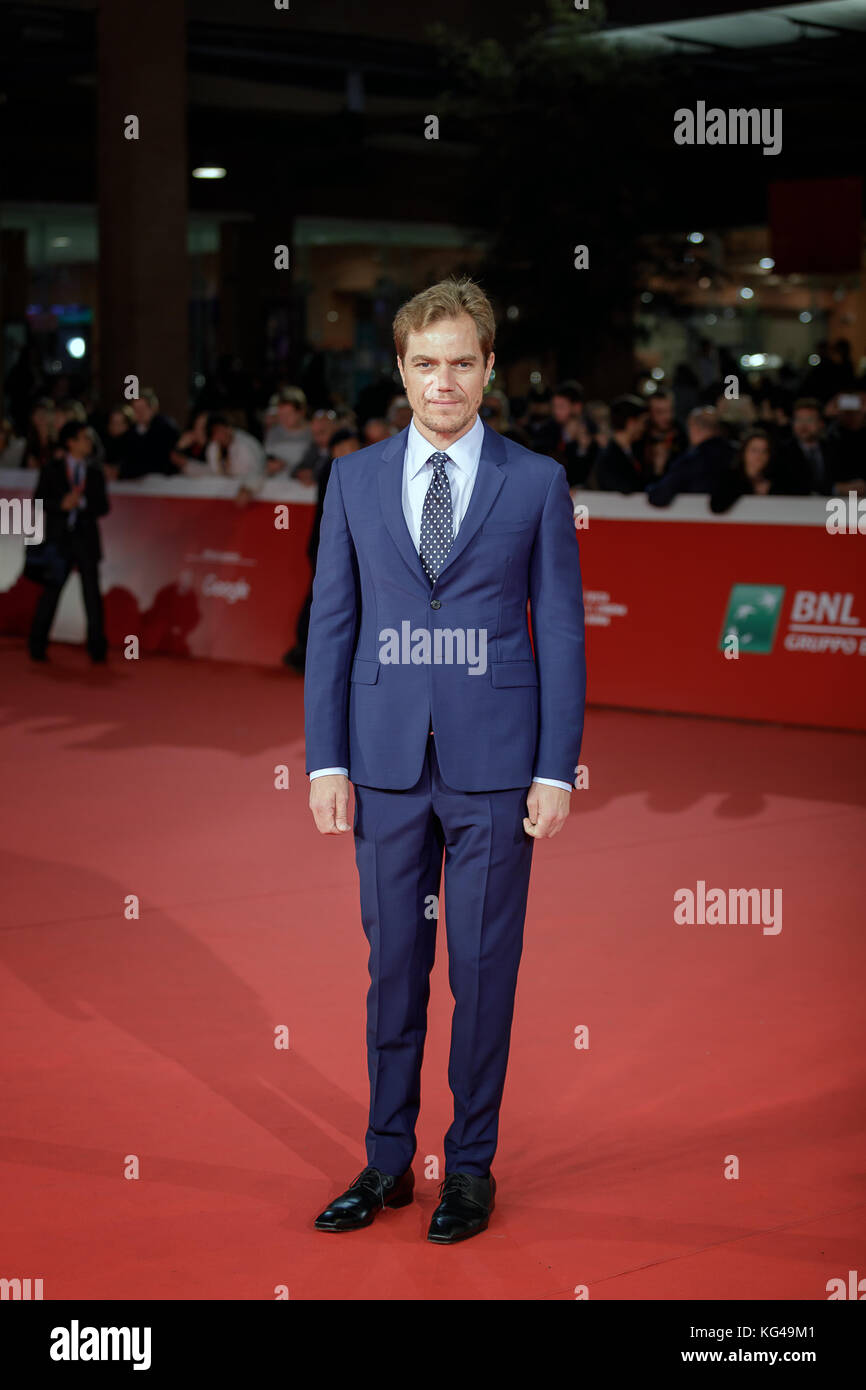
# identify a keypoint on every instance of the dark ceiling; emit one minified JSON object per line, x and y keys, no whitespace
{"x":269,"y":101}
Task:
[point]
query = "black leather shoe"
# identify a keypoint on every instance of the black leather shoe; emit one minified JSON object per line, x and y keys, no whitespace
{"x":465,"y":1204}
{"x":368,"y":1194}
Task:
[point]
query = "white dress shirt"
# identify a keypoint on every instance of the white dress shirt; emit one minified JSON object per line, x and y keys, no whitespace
{"x":287,"y":445}
{"x":462,"y":467}
{"x":244,"y":459}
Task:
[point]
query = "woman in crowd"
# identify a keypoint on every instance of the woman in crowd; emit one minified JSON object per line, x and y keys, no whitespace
{"x":118,"y":440}
{"x":41,"y":435}
{"x":193,"y":442}
{"x":749,"y":475}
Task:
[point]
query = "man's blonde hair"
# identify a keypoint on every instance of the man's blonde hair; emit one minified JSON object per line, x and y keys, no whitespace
{"x":447,"y":300}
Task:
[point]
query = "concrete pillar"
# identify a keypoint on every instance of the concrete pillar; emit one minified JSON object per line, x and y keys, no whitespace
{"x":252,"y":285}
{"x":143,"y":190}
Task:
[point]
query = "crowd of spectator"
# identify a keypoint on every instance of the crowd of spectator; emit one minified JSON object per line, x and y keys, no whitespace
{"x":729,"y":437}
{"x":797,"y":436}
{"x":713,"y":433}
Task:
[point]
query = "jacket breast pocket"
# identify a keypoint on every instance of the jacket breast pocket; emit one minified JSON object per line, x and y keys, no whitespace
{"x":501,"y":528}
{"x":364,"y":672}
{"x":513,"y":673}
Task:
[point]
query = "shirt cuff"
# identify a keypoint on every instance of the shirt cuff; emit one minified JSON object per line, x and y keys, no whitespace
{"x":329,"y":771}
{"x":551,"y":782}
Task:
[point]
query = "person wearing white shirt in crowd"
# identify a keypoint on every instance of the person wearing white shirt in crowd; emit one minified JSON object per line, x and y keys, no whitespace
{"x":231,"y":453}
{"x":287,"y":434}
{"x":12,"y":449}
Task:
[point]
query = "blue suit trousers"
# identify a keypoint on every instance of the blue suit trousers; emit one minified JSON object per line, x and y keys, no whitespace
{"x":401,"y":839}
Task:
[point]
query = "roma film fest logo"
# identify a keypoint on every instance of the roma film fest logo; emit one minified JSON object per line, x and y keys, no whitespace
{"x":22,"y":516}
{"x":821,"y":621}
{"x":599,"y":609}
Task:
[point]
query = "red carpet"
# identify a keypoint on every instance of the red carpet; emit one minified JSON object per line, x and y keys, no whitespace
{"x":155,"y":1037}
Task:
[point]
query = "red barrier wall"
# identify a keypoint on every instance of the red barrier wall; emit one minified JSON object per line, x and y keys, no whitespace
{"x":194,"y":574}
{"x":671,"y":586}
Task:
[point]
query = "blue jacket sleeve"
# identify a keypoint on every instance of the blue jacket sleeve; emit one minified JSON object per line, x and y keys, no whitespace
{"x":334,"y":618}
{"x":556,"y":607}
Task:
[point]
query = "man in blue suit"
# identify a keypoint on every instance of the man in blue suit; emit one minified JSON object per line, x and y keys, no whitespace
{"x":460,"y":733}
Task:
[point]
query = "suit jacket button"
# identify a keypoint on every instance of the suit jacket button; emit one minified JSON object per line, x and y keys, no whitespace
{"x":434,"y":603}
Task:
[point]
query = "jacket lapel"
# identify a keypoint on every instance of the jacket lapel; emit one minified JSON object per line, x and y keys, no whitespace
{"x":488,"y":481}
{"x":391,"y":503}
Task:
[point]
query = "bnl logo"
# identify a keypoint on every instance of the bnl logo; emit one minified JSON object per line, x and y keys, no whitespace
{"x":23,"y":1289}
{"x":752,"y":616}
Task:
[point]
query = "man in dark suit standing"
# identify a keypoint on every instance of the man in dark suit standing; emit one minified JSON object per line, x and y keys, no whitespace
{"x":619,"y":469}
{"x":704,"y":465}
{"x":441,"y":536}
{"x":806,"y":463}
{"x":153,"y":440}
{"x":73,"y":498}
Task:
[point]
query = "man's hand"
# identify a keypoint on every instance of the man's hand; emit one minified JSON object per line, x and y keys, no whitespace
{"x":329,"y":803}
{"x":72,"y":498}
{"x":548,"y":809}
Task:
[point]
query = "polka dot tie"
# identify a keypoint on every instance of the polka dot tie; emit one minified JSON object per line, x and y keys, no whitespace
{"x":436,"y":519}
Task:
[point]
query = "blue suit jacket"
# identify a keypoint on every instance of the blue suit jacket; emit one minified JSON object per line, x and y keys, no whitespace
{"x":524,"y":715}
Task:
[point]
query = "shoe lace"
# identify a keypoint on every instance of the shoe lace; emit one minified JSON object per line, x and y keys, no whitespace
{"x":370,"y":1179}
{"x":460,"y":1183}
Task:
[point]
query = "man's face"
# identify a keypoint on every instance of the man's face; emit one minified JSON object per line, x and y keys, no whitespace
{"x":345,"y":446}
{"x":444,"y":375}
{"x":807,"y":425}
{"x":289,"y":416}
{"x":562,"y":409}
{"x":222,"y":435}
{"x":661,"y":412}
{"x":142,"y":411}
{"x":79,"y":445}
{"x":756,"y":456}
{"x":321,"y":428}
{"x":698,"y":431}
{"x":637,"y":427}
